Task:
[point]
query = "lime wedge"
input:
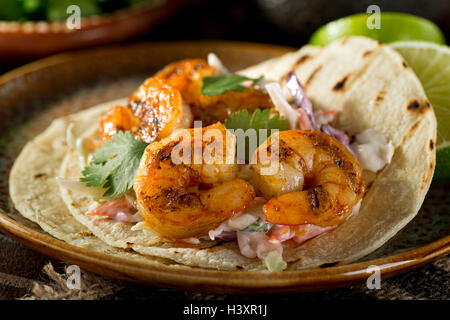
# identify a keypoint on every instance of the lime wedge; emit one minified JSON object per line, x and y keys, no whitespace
{"x":431,"y":63}
{"x":393,"y":27}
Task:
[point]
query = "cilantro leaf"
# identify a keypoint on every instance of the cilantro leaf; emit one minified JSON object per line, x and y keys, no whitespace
{"x":263,"y":120}
{"x":258,"y":226}
{"x":114,"y":165}
{"x":259,"y":120}
{"x":215,"y":85}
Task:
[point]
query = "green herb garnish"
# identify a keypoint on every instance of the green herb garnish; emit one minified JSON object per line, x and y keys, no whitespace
{"x":114,"y":165}
{"x":257,"y":121}
{"x":258,"y":226}
{"x":212,"y":86}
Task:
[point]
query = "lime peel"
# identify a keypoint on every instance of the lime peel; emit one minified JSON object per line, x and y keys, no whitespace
{"x":395,"y":26}
{"x":430,"y":63}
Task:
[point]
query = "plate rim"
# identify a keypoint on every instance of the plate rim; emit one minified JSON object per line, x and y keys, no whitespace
{"x":202,"y":279}
{"x":223,"y":281}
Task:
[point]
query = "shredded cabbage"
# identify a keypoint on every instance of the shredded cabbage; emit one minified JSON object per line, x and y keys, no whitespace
{"x":214,"y":61}
{"x":140,"y":226}
{"x":301,"y":100}
{"x":120,"y":210}
{"x":280,"y":103}
{"x":227,"y":229}
{"x":83,"y":151}
{"x":242,"y":221}
{"x":191,"y":240}
{"x":83,"y":146}
{"x":306,"y":117}
{"x":341,"y":136}
{"x":274,"y":261}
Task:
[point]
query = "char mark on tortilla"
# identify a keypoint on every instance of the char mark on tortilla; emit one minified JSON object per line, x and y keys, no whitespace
{"x":415,"y":105}
{"x":411,"y":130}
{"x":312,"y":75}
{"x":40,"y":175}
{"x":301,"y":60}
{"x":428,"y":176}
{"x":380,"y":97}
{"x":367,"y":53}
{"x":339,"y":86}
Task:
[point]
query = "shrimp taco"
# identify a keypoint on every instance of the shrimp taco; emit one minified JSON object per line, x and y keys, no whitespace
{"x":316,"y":157}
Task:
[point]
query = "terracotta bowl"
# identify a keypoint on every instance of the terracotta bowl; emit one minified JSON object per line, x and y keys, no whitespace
{"x":33,"y":95}
{"x":27,"y":40}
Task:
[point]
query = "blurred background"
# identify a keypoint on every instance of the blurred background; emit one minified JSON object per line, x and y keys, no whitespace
{"x":283,"y":22}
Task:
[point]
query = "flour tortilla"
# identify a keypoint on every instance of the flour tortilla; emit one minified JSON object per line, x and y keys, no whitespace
{"x":36,"y":194}
{"x":372,"y":87}
{"x":124,"y":235}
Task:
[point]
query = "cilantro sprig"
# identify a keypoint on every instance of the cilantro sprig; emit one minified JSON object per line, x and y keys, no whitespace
{"x":114,"y":165}
{"x":215,"y":85}
{"x":258,"y":120}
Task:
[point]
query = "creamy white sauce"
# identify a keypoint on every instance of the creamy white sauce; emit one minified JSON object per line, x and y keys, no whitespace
{"x":372,"y":150}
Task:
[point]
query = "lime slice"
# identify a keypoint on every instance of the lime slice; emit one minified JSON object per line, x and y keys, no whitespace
{"x":431,"y":63}
{"x":393,"y":27}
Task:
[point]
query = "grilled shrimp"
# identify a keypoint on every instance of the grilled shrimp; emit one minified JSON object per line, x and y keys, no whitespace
{"x":172,"y":98}
{"x":181,"y":199}
{"x":187,"y":76}
{"x":160,"y":108}
{"x":318,"y":180}
{"x":116,"y":119}
{"x":154,"y":111}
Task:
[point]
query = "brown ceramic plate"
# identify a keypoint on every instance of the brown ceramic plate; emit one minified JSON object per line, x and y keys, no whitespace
{"x":25,"y":40}
{"x":33,"y":95}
